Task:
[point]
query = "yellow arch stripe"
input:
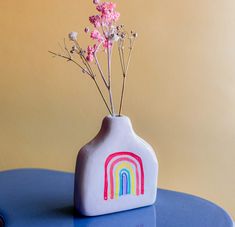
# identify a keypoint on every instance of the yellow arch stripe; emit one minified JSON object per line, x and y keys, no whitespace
{"x":120,"y":166}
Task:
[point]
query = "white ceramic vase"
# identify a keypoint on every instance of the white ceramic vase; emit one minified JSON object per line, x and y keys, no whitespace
{"x":115,"y":171}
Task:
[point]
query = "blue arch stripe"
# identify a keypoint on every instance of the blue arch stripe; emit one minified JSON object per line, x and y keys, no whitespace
{"x":128,"y":182}
{"x":124,"y":183}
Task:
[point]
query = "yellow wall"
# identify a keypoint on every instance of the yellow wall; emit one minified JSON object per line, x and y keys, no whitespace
{"x":180,"y":97}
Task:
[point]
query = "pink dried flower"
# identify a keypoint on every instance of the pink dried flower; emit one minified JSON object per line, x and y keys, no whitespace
{"x":95,"y":20}
{"x":107,"y":44}
{"x":108,"y":13}
{"x":90,"y":57}
{"x":96,"y":35}
{"x":106,"y":7}
{"x":115,"y":16}
{"x":90,"y":52}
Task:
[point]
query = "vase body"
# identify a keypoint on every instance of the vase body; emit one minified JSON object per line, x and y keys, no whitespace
{"x":115,"y":171}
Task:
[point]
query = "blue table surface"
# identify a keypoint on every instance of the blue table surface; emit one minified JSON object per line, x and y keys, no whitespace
{"x":37,"y":197}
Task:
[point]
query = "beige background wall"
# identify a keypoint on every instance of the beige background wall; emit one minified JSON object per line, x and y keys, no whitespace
{"x":180,"y":97}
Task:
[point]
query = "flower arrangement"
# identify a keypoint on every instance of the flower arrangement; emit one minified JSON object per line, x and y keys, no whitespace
{"x":107,"y":35}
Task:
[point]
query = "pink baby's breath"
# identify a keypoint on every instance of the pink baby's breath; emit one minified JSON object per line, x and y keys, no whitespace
{"x":91,"y":52}
{"x":106,"y":7}
{"x":108,"y":13}
{"x":90,"y":58}
{"x":95,"y":20}
{"x":97,"y":36}
{"x":107,"y":43}
{"x":115,"y":16}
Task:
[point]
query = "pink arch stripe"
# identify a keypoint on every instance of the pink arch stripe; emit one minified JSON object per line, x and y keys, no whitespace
{"x":109,"y":158}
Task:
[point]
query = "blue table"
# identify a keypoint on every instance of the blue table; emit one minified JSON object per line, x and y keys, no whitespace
{"x":36,"y":197}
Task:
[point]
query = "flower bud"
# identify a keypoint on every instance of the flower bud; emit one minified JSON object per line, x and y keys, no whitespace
{"x":96,"y":2}
{"x":86,"y":30}
{"x":135,"y":35}
{"x":73,"y":36}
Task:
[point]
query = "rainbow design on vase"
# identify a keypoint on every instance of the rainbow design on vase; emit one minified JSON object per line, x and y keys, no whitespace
{"x":123,"y":175}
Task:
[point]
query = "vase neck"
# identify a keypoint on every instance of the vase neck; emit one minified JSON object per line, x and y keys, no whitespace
{"x":116,"y":124}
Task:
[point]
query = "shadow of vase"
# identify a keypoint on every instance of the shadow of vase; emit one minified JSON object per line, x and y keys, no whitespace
{"x":142,"y":217}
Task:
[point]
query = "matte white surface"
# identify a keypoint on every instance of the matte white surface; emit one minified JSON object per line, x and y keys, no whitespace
{"x":116,"y":135}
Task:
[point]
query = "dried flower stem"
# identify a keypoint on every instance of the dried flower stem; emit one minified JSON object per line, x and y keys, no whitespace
{"x":130,"y":52}
{"x":99,"y":68}
{"x":120,"y":58}
{"x":125,"y":69}
{"x":123,"y":56}
{"x":94,"y":79}
{"x":102,"y":95}
{"x":81,"y":55}
{"x":66,"y":49}
{"x":109,"y":54}
{"x":105,"y":33}
{"x":70,"y":59}
{"x":87,"y":71}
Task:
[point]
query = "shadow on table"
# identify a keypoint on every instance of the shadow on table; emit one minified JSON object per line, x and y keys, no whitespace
{"x":137,"y":218}
{"x":140,"y":217}
{"x":1,"y":222}
{"x":133,"y":218}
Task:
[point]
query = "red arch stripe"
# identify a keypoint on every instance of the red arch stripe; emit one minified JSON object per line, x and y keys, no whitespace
{"x":109,"y":158}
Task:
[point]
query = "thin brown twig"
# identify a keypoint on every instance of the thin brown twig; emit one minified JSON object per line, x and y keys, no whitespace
{"x":125,"y":74}
{"x":61,"y":47}
{"x":109,"y":78}
{"x":129,"y":56}
{"x":120,"y":57}
{"x":81,"y":55}
{"x":122,"y":95}
{"x":70,"y":59}
{"x":106,"y":104}
{"x":123,"y":56}
{"x":84,"y":70}
{"x":86,"y":63}
{"x":65,"y":47}
{"x":99,"y":68}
